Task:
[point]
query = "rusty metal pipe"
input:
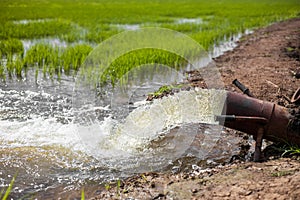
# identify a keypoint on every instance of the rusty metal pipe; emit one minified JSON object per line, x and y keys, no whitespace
{"x":255,"y":117}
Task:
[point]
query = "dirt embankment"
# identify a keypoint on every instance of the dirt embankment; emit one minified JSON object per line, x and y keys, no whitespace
{"x":266,"y":62}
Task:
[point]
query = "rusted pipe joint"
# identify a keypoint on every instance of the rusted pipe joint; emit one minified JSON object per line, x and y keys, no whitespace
{"x":251,"y":111}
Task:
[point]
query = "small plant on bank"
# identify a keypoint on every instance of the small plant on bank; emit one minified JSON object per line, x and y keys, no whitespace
{"x":291,"y":150}
{"x":82,"y":194}
{"x":286,"y":149}
{"x":282,"y":173}
{"x":163,"y":91}
{"x":8,"y":190}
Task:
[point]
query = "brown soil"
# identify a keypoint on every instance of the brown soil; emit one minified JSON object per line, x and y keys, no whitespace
{"x":267,"y":62}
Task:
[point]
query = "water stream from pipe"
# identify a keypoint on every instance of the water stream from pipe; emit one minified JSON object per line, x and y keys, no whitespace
{"x":43,"y":142}
{"x":50,"y":137}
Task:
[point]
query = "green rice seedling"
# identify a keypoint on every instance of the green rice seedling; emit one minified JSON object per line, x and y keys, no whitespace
{"x":58,"y":75}
{"x":45,"y":57}
{"x":2,"y":49}
{"x":2,"y":71}
{"x":74,"y":56}
{"x":1,"y":66}
{"x":127,"y":62}
{"x":41,"y":55}
{"x":11,"y":47}
{"x":99,"y":17}
{"x":10,"y":68}
{"x":51,"y":70}
{"x":34,"y":29}
{"x":36,"y":74}
{"x":18,"y":63}
{"x":100,"y":33}
{"x":44,"y":69}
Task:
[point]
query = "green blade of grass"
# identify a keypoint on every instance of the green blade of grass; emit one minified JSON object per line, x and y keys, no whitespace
{"x":82,"y":194}
{"x":9,"y":188}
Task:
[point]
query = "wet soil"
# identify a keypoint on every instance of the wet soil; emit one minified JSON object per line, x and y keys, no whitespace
{"x":267,"y":62}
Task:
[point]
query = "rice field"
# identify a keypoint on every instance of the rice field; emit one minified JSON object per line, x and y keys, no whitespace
{"x":84,"y":24}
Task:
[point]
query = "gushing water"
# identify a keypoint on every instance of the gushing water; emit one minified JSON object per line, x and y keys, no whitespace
{"x":42,"y":142}
{"x":51,"y":137}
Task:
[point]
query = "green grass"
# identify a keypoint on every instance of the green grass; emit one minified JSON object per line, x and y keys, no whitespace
{"x":8,"y":190}
{"x":287,"y":149}
{"x":282,"y":173}
{"x":82,"y":194}
{"x":51,"y":60}
{"x":164,"y":90}
{"x":11,"y":47}
{"x":94,"y":21}
{"x":291,"y":149}
{"x":139,"y":58}
{"x":74,"y":56}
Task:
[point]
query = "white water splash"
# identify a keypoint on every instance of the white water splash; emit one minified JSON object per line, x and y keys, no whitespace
{"x":110,"y":137}
{"x":45,"y":150}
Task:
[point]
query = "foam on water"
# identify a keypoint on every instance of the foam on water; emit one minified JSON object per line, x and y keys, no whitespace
{"x":139,"y":126}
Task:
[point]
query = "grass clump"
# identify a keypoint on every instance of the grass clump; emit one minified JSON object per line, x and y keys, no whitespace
{"x":286,"y":149}
{"x":282,"y":173}
{"x":44,"y":57}
{"x":11,"y":47}
{"x":122,"y":65}
{"x":164,"y":91}
{"x":35,"y":29}
{"x":74,"y":56}
{"x":290,"y":150}
{"x":161,"y":91}
{"x":41,"y":55}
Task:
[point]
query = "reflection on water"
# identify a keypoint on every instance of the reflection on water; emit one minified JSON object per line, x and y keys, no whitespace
{"x":189,"y":21}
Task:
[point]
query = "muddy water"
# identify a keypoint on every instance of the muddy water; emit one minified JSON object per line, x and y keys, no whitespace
{"x":50,"y":143}
{"x":45,"y":148}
